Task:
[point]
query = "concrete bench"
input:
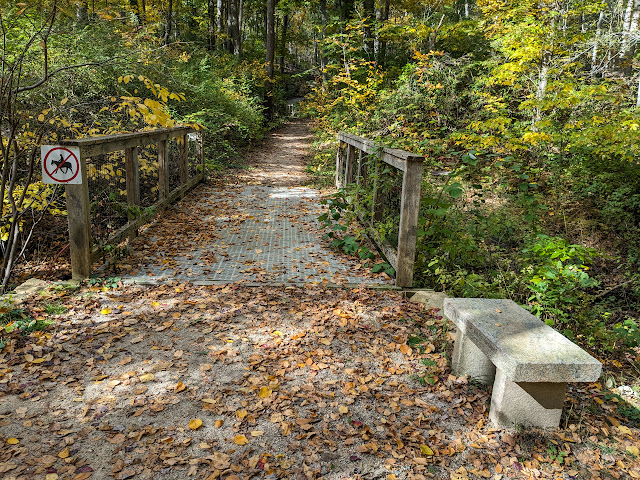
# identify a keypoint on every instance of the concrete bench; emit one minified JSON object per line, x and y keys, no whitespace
{"x":528,"y":362}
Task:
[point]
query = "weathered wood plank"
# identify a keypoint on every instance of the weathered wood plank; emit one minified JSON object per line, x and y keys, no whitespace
{"x":163,"y":170}
{"x":183,"y":162}
{"x":132,"y":175}
{"x":339,"y":165}
{"x":79,"y":221}
{"x":408,"y":228}
{"x":92,"y":146}
{"x":392,"y":156}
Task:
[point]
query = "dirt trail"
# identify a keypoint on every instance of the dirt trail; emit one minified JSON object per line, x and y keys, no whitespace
{"x":181,"y":381}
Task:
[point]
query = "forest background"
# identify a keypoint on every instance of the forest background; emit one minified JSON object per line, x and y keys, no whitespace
{"x":527,"y":113}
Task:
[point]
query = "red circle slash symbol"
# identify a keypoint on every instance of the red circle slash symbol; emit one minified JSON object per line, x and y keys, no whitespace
{"x":62,"y":164}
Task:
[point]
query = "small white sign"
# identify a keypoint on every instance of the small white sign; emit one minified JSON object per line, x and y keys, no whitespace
{"x":61,"y":164}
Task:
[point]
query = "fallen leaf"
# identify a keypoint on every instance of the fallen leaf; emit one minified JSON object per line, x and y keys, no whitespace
{"x":180,"y":387}
{"x":265,"y":392}
{"x":220,"y":460}
{"x":240,"y":440}
{"x":64,"y":453}
{"x":105,"y":311}
{"x":342,"y":409}
{"x":13,"y":441}
{"x":195,"y":424}
{"x":147,"y":377}
{"x":219,"y":423}
{"x":118,"y":438}
{"x":426,"y":450}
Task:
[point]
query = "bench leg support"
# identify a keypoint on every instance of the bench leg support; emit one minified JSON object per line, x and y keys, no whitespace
{"x":469,"y":360}
{"x":532,"y":404}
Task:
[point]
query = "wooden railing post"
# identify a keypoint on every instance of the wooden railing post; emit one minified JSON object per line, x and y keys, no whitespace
{"x":133,"y":175}
{"x":348,"y":169}
{"x":163,"y":171}
{"x":79,"y":220}
{"x":409,"y":214}
{"x":340,"y":164}
{"x":200,"y":152}
{"x":184,"y":167}
{"x":376,"y":205}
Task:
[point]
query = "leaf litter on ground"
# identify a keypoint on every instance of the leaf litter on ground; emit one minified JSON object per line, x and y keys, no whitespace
{"x":182,"y":381}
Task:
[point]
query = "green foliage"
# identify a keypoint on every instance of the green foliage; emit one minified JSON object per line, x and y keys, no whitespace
{"x":340,"y":209}
{"x":557,"y":277}
{"x":16,"y":319}
{"x":55,"y":308}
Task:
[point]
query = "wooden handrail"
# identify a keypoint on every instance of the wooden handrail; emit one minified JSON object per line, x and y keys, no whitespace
{"x":78,"y":204}
{"x":349,"y":169}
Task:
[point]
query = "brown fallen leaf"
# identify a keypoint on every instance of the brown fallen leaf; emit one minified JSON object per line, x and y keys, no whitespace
{"x":118,"y":438}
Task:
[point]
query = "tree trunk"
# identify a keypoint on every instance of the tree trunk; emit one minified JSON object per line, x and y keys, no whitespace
{"x":596,"y":41}
{"x":219,"y":17}
{"x":382,"y":52}
{"x":233,"y":28}
{"x":169,"y":23}
{"x":82,"y":10}
{"x":323,"y":59}
{"x":369,"y":14}
{"x":270,"y":45}
{"x":283,"y":42}
{"x":629,"y":36}
{"x":211,"y":15}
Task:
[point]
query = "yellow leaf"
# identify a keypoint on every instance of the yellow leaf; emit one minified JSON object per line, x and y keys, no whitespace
{"x":426,"y":450}
{"x":28,"y":357}
{"x":240,"y":440}
{"x":241,"y":414}
{"x":625,"y":430}
{"x":277,"y":332}
{"x":64,"y":453}
{"x":155,"y":304}
{"x":208,"y":400}
{"x":219,"y":423}
{"x":633,"y":450}
{"x":41,"y":118}
{"x":180,"y":387}
{"x":406,"y":349}
{"x":195,"y":424}
{"x":105,"y":311}
{"x":51,"y":476}
{"x":265,"y":392}
{"x":13,"y":441}
{"x":38,"y":360}
{"x":147,"y":377}
{"x":257,"y":433}
{"x":63,"y":101}
{"x":342,"y":409}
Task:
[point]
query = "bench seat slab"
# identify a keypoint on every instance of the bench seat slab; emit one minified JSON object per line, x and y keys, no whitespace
{"x":527,"y":404}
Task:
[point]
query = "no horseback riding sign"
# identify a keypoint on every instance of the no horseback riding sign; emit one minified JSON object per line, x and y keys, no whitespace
{"x":60,"y":164}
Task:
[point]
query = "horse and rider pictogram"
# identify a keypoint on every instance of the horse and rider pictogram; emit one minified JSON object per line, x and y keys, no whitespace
{"x":60,"y":164}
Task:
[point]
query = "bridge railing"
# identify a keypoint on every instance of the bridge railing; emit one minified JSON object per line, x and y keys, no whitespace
{"x":390,"y":179}
{"x":126,"y":180}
